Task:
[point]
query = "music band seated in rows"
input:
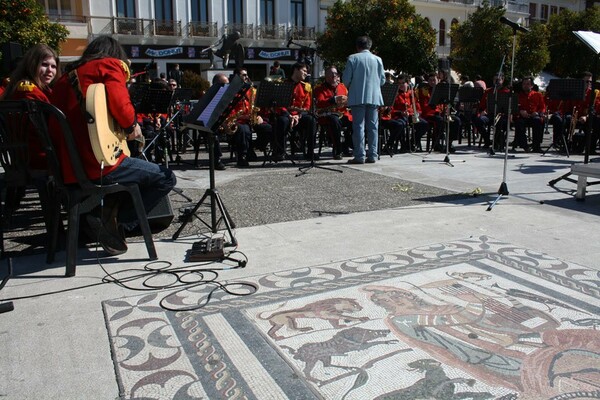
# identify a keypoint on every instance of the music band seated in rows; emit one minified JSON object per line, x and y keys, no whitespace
{"x":405,"y":131}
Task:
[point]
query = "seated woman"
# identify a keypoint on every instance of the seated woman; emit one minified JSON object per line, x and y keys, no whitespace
{"x":31,"y":80}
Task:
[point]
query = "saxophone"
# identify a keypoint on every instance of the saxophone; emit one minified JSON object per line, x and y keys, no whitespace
{"x":229,"y":126}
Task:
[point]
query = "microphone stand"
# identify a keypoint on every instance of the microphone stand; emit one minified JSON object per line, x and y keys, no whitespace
{"x":503,"y":189}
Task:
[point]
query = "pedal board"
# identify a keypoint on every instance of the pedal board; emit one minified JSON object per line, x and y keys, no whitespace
{"x":207,"y":250}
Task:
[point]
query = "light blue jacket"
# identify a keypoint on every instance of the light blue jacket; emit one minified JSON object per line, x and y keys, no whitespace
{"x":364,"y":77}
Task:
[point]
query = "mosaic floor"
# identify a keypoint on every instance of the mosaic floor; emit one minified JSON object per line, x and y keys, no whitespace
{"x":469,"y":319}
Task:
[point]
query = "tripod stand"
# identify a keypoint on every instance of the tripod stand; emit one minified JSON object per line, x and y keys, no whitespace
{"x":215,"y":200}
{"x":444,"y":93}
{"x":207,"y":116}
{"x":564,"y":90}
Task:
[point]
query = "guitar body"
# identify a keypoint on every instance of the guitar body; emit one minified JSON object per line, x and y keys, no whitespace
{"x":107,"y":138}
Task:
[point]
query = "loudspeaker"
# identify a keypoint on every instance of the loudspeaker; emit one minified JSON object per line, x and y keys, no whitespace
{"x":159,"y":218}
{"x":161,"y":215}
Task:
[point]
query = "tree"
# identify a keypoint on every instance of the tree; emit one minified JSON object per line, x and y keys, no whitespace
{"x":404,"y":40}
{"x":25,"y":22}
{"x":481,"y":43}
{"x":569,"y":56}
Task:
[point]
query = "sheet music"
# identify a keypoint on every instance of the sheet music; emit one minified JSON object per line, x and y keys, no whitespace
{"x":207,"y":112}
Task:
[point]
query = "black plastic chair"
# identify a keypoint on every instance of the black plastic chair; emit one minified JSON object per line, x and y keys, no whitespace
{"x":17,"y":133}
{"x":83,"y":196}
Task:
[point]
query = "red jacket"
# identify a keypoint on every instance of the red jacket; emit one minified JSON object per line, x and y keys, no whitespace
{"x":325,"y":98}
{"x":531,"y":102}
{"x":301,"y":99}
{"x":423,"y":95}
{"x":114,"y":74}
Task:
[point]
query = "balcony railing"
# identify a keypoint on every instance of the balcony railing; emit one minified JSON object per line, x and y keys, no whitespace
{"x":167,"y":28}
{"x":271,"y":32}
{"x":303,"y":33}
{"x":202,"y":29}
{"x":246,"y":30}
{"x":67,"y":18}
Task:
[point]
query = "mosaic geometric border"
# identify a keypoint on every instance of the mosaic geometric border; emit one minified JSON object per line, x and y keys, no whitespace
{"x":470,"y":319}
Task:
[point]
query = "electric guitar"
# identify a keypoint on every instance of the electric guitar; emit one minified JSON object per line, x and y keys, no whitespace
{"x":107,"y":138}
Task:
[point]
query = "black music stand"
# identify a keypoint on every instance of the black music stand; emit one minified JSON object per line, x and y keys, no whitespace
{"x":500,"y":102}
{"x":444,"y":93}
{"x":564,"y":89}
{"x":469,"y":95}
{"x":137,"y":92}
{"x":389,"y":91}
{"x":271,"y":94}
{"x":206,"y":116}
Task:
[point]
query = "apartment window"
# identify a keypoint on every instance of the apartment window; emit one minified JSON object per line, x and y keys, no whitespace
{"x":163,"y":10}
{"x":267,"y":12}
{"x":57,"y":7}
{"x":544,"y":12}
{"x":200,"y":10}
{"x":235,"y":11}
{"x":297,"y":12}
{"x":126,"y":8}
{"x":442,"y":32}
{"x":532,"y":10}
{"x":553,"y":10}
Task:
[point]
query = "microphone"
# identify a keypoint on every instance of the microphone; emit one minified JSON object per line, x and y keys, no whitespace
{"x":290,"y":40}
{"x":514,"y":25}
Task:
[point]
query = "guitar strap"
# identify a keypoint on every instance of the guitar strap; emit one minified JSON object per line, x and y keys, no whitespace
{"x":74,"y":81}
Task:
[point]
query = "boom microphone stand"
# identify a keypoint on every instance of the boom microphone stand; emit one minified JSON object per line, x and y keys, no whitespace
{"x":503,"y":189}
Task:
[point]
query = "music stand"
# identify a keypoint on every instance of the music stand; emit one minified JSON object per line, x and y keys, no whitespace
{"x":444,"y":93}
{"x":136,"y":93}
{"x":271,"y":94}
{"x":206,"y":116}
{"x":389,"y":91}
{"x":469,"y":95}
{"x":500,"y":103}
{"x":565,"y":89}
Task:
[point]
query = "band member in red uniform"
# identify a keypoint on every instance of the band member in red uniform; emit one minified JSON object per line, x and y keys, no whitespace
{"x":31,"y":81}
{"x":297,"y":117}
{"x":402,"y":116}
{"x":104,"y":61}
{"x":331,"y":99}
{"x":483,"y":122}
{"x":531,"y":114}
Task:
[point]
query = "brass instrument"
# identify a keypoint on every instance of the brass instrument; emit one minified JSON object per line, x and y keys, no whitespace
{"x":229,"y":126}
{"x":253,"y":109}
{"x":415,"y":116}
{"x":574,"y":117}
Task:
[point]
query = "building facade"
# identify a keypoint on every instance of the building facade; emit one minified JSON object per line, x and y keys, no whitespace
{"x":159,"y":33}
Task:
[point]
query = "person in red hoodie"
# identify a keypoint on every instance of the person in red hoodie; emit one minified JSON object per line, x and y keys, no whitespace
{"x":104,"y":61}
{"x":31,"y":80}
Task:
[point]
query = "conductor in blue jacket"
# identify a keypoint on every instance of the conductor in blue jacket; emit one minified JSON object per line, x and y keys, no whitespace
{"x":364,"y":77}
